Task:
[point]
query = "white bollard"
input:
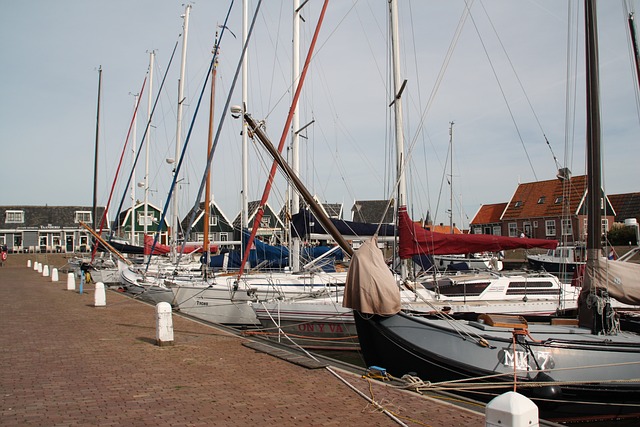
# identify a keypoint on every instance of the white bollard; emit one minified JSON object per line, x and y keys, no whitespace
{"x":40,"y":268}
{"x":100,"y":298}
{"x":35,"y":266}
{"x":71,"y":282}
{"x":511,"y":409}
{"x":45,"y":271}
{"x":54,"y":275}
{"x":164,"y":324}
{"x":28,"y":263}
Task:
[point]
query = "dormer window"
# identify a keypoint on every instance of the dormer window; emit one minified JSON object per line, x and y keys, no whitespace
{"x":558,"y":200}
{"x":519,"y":203}
{"x":14,"y":217}
{"x":83,"y":216}
{"x":541,"y":200}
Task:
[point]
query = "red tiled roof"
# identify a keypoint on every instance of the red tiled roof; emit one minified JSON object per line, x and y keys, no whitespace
{"x":546,"y":198}
{"x":488,"y":214}
{"x":626,"y":205}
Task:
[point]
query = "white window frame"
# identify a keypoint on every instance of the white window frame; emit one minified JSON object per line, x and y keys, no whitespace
{"x":149,"y":219}
{"x":84,"y":216}
{"x":497,"y":230}
{"x":14,"y":217}
{"x":550,"y":227}
{"x":567,"y":227}
{"x":265,"y":221}
{"x":513,"y":229}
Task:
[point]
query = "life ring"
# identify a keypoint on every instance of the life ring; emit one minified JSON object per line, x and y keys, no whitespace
{"x":4,"y":256}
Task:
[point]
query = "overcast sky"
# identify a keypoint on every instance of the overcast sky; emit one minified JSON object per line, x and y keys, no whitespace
{"x":503,"y":84}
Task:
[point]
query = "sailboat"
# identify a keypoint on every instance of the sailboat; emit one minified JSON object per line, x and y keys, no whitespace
{"x":583,"y":368}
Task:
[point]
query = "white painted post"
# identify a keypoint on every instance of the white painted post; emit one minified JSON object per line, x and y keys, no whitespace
{"x":511,"y":409}
{"x":28,"y":263}
{"x":40,"y":268}
{"x":45,"y":271}
{"x":100,"y":298}
{"x":35,"y":266}
{"x":71,"y":282}
{"x":54,"y":275}
{"x":164,"y":324}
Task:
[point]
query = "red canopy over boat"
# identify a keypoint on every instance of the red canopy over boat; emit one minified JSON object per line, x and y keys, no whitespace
{"x":415,"y":240}
{"x":161,"y":249}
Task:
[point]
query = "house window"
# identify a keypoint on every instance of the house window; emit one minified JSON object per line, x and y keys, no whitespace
{"x":518,"y":204}
{"x":14,"y":217}
{"x":558,"y":200}
{"x":84,"y":216}
{"x":497,"y":230}
{"x":513,"y":229}
{"x":213,"y":221}
{"x":145,"y":220}
{"x":567,"y":228}
{"x":605,"y":225}
{"x":550,"y":226}
{"x":535,"y":224}
{"x":224,"y":237}
{"x":477,"y":230}
{"x":541,"y":200}
{"x":265,"y":221}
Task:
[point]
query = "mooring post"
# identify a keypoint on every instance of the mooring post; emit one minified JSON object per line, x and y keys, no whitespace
{"x":45,"y":271}
{"x":511,"y":409}
{"x":100,"y":297}
{"x":71,"y":282}
{"x":164,"y":324}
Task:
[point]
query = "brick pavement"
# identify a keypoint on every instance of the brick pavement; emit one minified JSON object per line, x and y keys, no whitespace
{"x":65,"y":362}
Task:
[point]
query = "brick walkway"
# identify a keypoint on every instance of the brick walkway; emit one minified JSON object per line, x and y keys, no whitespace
{"x":65,"y":362}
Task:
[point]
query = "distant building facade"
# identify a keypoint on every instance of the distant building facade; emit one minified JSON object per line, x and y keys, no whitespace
{"x":47,"y":228}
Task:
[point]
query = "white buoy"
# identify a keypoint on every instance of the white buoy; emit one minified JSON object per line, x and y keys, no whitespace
{"x":164,"y":324}
{"x":45,"y":271}
{"x":28,"y":263}
{"x":54,"y":275}
{"x":100,"y":298}
{"x":511,"y":409}
{"x":71,"y":282}
{"x":40,"y":268}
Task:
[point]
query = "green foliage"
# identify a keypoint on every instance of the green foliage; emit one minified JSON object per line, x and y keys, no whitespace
{"x":620,"y":235}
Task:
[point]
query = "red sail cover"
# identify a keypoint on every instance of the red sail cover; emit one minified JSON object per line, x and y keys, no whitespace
{"x":161,"y":249}
{"x":415,"y":240}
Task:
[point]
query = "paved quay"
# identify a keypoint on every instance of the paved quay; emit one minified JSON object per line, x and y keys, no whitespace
{"x":67,"y":363}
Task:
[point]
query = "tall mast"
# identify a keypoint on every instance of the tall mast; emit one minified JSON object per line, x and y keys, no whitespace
{"x":451,"y":177}
{"x":244,"y":225}
{"x":152,"y":55}
{"x":295,"y":126}
{"x":207,"y":195}
{"x":132,"y":187}
{"x":594,"y":188}
{"x":174,"y":219}
{"x":95,"y":154}
{"x":398,"y":87}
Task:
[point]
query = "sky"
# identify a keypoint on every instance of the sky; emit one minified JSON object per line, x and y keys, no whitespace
{"x":503,"y":85}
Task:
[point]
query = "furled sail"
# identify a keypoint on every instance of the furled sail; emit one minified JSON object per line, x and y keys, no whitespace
{"x":415,"y":240}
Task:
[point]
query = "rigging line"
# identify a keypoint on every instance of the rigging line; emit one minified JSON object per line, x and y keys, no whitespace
{"x":124,"y":147}
{"x":367,"y":398}
{"x":184,"y":148}
{"x":147,"y":127}
{"x":504,"y":97}
{"x":285,"y":132}
{"x":526,"y":96}
{"x":454,"y":41}
{"x":571,"y":92}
